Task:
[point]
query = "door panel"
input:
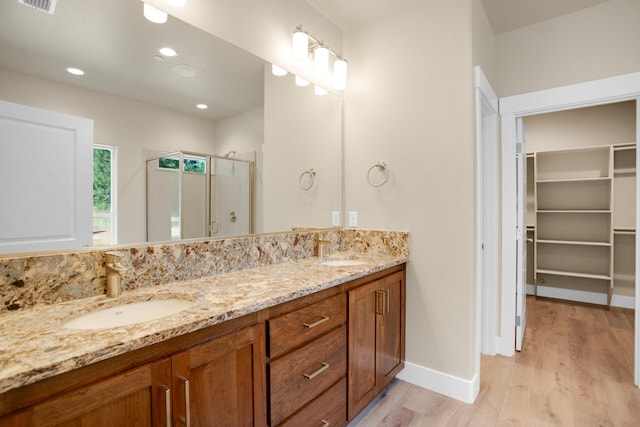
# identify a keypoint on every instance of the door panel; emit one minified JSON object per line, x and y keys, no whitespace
{"x":521,"y":234}
{"x":48,"y":156}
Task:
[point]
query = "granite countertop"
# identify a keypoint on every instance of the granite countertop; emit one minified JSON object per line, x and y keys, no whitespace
{"x":35,"y":345}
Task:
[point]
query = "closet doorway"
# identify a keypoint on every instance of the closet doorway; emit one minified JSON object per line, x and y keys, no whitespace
{"x":591,"y":94}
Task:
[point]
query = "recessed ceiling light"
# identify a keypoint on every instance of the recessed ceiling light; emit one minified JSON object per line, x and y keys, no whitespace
{"x":278,"y":71}
{"x":176,"y":3}
{"x":202,"y":106}
{"x":167,"y":51}
{"x":301,"y":82}
{"x":75,"y":71}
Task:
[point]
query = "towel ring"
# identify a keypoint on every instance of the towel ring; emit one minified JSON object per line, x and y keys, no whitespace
{"x":385,"y":170}
{"x":310,"y":175}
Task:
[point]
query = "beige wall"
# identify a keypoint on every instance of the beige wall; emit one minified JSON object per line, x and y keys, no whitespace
{"x":597,"y":42}
{"x":131,"y":126}
{"x":409,"y":103}
{"x":483,"y":41}
{"x":584,"y":127}
{"x":302,"y":131}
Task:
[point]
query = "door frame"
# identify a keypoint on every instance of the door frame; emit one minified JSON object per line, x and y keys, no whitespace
{"x":487,"y":216}
{"x":597,"y":92}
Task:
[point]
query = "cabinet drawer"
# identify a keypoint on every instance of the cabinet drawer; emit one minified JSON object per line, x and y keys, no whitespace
{"x":295,"y":328}
{"x":328,"y":410}
{"x":304,"y":374}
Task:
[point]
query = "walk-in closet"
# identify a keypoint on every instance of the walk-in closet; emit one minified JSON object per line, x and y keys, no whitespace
{"x":581,"y":175}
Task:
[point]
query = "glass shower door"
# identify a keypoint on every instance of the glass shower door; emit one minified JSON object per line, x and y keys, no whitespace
{"x":231,"y":196}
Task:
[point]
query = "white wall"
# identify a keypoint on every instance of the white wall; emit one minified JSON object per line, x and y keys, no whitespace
{"x":410,"y":104}
{"x":597,"y":42}
{"x":129,"y":125}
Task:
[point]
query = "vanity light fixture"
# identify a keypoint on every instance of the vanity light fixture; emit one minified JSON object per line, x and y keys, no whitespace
{"x":340,"y":74}
{"x":321,"y":62}
{"x":303,"y":43}
{"x":301,"y":82}
{"x":154,"y":15}
{"x":167,"y":51}
{"x":75,"y":71}
{"x":202,"y":106}
{"x":278,"y":71}
{"x":300,"y":48}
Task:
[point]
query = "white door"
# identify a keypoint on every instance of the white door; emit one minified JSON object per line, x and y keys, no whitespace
{"x":46,"y":176}
{"x":521,"y":234}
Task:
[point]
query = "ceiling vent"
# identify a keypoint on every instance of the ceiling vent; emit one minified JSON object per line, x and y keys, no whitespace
{"x":48,"y":6}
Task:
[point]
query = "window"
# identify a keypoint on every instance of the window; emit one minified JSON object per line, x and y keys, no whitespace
{"x":103,"y":195}
{"x":191,"y":164}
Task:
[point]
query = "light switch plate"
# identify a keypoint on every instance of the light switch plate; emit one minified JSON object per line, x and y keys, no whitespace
{"x":335,"y":218}
{"x":353,"y":219}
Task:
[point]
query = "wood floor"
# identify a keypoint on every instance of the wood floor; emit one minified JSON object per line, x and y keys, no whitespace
{"x":576,"y":369}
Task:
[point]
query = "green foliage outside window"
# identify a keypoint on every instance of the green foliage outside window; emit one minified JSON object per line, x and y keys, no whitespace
{"x":190,"y":165}
{"x":101,"y":180}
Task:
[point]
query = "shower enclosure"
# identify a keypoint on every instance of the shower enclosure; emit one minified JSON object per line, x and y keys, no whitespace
{"x":193,"y":195}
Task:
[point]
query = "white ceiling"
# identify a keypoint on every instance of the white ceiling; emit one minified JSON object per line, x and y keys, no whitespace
{"x":115,"y":45}
{"x":504,"y":15}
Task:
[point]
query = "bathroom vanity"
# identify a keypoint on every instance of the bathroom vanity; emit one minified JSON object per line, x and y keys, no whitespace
{"x":313,"y":351}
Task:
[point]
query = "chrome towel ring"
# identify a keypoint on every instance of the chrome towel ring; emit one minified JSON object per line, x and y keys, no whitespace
{"x":307,"y":179}
{"x":385,"y":174}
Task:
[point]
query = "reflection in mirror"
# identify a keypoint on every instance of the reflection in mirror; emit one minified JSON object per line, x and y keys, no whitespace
{"x":143,"y":104}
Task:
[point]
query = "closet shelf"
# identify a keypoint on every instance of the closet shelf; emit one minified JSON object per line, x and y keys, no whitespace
{"x":574,"y":274}
{"x":576,"y":180}
{"x":573,"y":242}
{"x":573,"y":211}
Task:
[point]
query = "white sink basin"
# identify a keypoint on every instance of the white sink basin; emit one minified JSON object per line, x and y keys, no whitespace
{"x":342,"y":262}
{"x":129,"y":314}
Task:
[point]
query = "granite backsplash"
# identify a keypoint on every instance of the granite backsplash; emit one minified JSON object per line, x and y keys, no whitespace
{"x":30,"y":279}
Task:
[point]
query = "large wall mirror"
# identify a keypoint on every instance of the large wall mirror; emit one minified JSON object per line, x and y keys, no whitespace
{"x":143,"y":104}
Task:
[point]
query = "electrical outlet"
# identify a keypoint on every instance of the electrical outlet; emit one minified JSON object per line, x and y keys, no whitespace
{"x":335,"y":218}
{"x":353,"y":219}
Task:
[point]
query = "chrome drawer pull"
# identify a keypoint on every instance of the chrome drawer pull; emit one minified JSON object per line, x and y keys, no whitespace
{"x":325,"y":423}
{"x":319,"y":322}
{"x":324,"y":367}
{"x":167,"y":404}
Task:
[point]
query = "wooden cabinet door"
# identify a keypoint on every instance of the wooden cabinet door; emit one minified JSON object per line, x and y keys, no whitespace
{"x":363,"y":304}
{"x":222,"y":382}
{"x":390,"y":329}
{"x":138,"y":397}
{"x":376,"y":338}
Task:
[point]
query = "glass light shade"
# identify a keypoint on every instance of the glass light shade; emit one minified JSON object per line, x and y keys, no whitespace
{"x":340,"y":74}
{"x":321,"y":63}
{"x":299,"y":49}
{"x":320,"y":91}
{"x":154,"y":15}
{"x":278,"y":71}
{"x":301,"y":82}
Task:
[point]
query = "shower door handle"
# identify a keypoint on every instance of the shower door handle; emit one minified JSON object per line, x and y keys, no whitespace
{"x":213,"y":228}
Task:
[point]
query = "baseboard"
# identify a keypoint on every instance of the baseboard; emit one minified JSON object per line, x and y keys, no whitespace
{"x":439,"y":382}
{"x":623,"y":302}
{"x":582,"y":296}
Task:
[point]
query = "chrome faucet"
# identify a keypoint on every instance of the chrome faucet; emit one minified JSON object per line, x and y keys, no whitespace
{"x":114,"y":270}
{"x":322,"y":245}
